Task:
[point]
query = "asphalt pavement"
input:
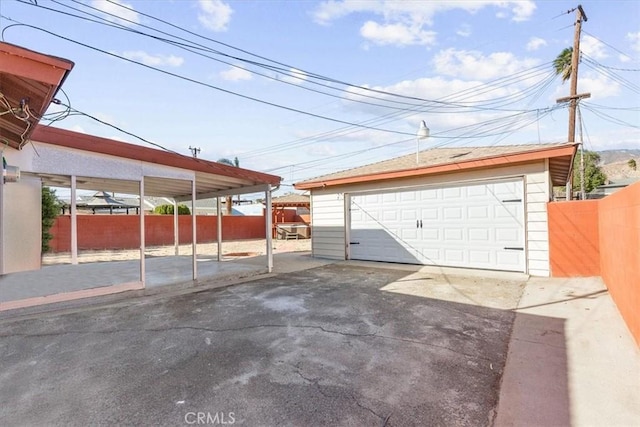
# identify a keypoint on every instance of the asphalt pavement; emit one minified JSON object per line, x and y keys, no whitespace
{"x":334,"y":345}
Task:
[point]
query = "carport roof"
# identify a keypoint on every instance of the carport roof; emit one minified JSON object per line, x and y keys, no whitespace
{"x":28,"y":82}
{"x":448,"y":160}
{"x":291,"y":200}
{"x":212,"y":179}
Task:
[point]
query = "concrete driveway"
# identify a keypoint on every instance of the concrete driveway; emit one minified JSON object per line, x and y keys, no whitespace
{"x":334,"y":345}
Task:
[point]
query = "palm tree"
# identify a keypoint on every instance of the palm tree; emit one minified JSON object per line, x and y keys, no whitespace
{"x":235,"y":163}
{"x":562,"y":64}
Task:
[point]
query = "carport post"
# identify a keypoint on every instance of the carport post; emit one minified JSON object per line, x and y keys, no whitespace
{"x":193,"y":229}
{"x":142,"y":248}
{"x":176,"y":228}
{"x":268,"y":225}
{"x":74,"y":222}
{"x":219,"y":225}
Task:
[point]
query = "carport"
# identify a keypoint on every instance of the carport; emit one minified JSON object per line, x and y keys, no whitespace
{"x":39,"y":155}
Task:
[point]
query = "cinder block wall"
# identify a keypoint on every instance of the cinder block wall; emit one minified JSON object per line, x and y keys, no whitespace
{"x":123,"y":231}
{"x":619,"y":229}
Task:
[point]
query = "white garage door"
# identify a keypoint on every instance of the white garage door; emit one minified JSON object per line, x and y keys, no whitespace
{"x":476,"y":225}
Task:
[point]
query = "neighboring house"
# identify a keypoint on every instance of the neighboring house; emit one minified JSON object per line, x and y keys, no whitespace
{"x":483,"y":207}
{"x":606,"y":189}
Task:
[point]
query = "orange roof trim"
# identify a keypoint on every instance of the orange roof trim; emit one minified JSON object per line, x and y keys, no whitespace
{"x":96,"y":144}
{"x":564,"y":150}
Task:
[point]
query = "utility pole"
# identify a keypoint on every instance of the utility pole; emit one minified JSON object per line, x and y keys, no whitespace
{"x":574,"y":97}
{"x":575,"y":60}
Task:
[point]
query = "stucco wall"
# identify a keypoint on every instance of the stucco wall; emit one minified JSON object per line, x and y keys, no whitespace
{"x":574,"y":239}
{"x":330,"y":223}
{"x":619,"y":229}
{"x":123,"y":231}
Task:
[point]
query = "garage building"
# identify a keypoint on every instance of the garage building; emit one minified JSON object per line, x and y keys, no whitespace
{"x":482,"y":207}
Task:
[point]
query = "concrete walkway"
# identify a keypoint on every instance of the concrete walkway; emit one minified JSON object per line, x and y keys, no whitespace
{"x":571,"y":361}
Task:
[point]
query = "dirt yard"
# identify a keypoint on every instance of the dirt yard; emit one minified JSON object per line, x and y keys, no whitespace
{"x":233,"y":249}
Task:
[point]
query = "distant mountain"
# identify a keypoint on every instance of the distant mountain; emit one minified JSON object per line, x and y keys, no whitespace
{"x":614,"y":164}
{"x":613,"y":156}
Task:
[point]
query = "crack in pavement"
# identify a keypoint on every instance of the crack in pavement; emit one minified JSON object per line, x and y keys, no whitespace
{"x":243,"y":328}
{"x":316,"y":383}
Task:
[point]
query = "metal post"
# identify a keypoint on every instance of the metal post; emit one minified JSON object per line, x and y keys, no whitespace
{"x":219,"y":225}
{"x":2,"y":252}
{"x":193,"y":229}
{"x":142,"y":233}
{"x":74,"y":222}
{"x":268,"y":225}
{"x":176,"y":228}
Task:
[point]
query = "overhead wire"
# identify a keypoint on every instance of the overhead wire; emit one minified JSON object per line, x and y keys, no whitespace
{"x":536,"y":91}
{"x":350,"y":124}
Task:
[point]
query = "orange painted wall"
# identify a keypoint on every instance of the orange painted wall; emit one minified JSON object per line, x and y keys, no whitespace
{"x":123,"y":231}
{"x":620,"y":252}
{"x":574,"y":239}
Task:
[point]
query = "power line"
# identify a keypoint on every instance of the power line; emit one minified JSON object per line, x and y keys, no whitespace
{"x":200,"y":83}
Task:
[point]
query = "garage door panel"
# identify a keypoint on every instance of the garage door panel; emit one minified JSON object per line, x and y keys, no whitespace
{"x":478,"y":212}
{"x":461,"y":225}
{"x":452,"y":213}
{"x":478,"y":235}
{"x":454,"y":256}
{"x":480,"y":257}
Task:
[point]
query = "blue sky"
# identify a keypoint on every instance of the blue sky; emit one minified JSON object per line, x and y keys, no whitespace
{"x":304,"y":88}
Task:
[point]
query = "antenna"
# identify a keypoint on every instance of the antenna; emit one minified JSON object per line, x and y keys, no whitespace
{"x":194,"y":151}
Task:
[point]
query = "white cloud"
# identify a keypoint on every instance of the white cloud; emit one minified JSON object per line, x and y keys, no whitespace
{"x":593,"y":47}
{"x":214,"y":14}
{"x":124,"y":13}
{"x":437,"y":88}
{"x":634,"y":39}
{"x":403,"y":22}
{"x":474,"y":65}
{"x":235,"y":74}
{"x":295,"y":76}
{"x":536,"y":43}
{"x":464,"y":30}
{"x":153,"y":60}
{"x":396,"y":34}
{"x":522,"y":10}
{"x":321,"y":150}
{"x":414,"y":11}
{"x":597,"y":84}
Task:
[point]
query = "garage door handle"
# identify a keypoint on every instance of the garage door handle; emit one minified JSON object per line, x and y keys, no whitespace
{"x":354,"y":243}
{"x":512,"y":201}
{"x":513,"y":249}
{"x":420,"y":223}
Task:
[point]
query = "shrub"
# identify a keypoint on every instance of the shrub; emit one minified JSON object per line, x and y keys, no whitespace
{"x":50,"y":210}
{"x":168,"y":210}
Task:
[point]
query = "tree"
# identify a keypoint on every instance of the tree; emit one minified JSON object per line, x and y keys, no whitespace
{"x":593,"y":175}
{"x":632,"y":164}
{"x":235,"y":163}
{"x":50,"y":210}
{"x":168,"y":210}
{"x":562,"y":64}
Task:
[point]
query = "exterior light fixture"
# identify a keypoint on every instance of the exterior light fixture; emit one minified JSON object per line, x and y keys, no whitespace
{"x":423,"y":133}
